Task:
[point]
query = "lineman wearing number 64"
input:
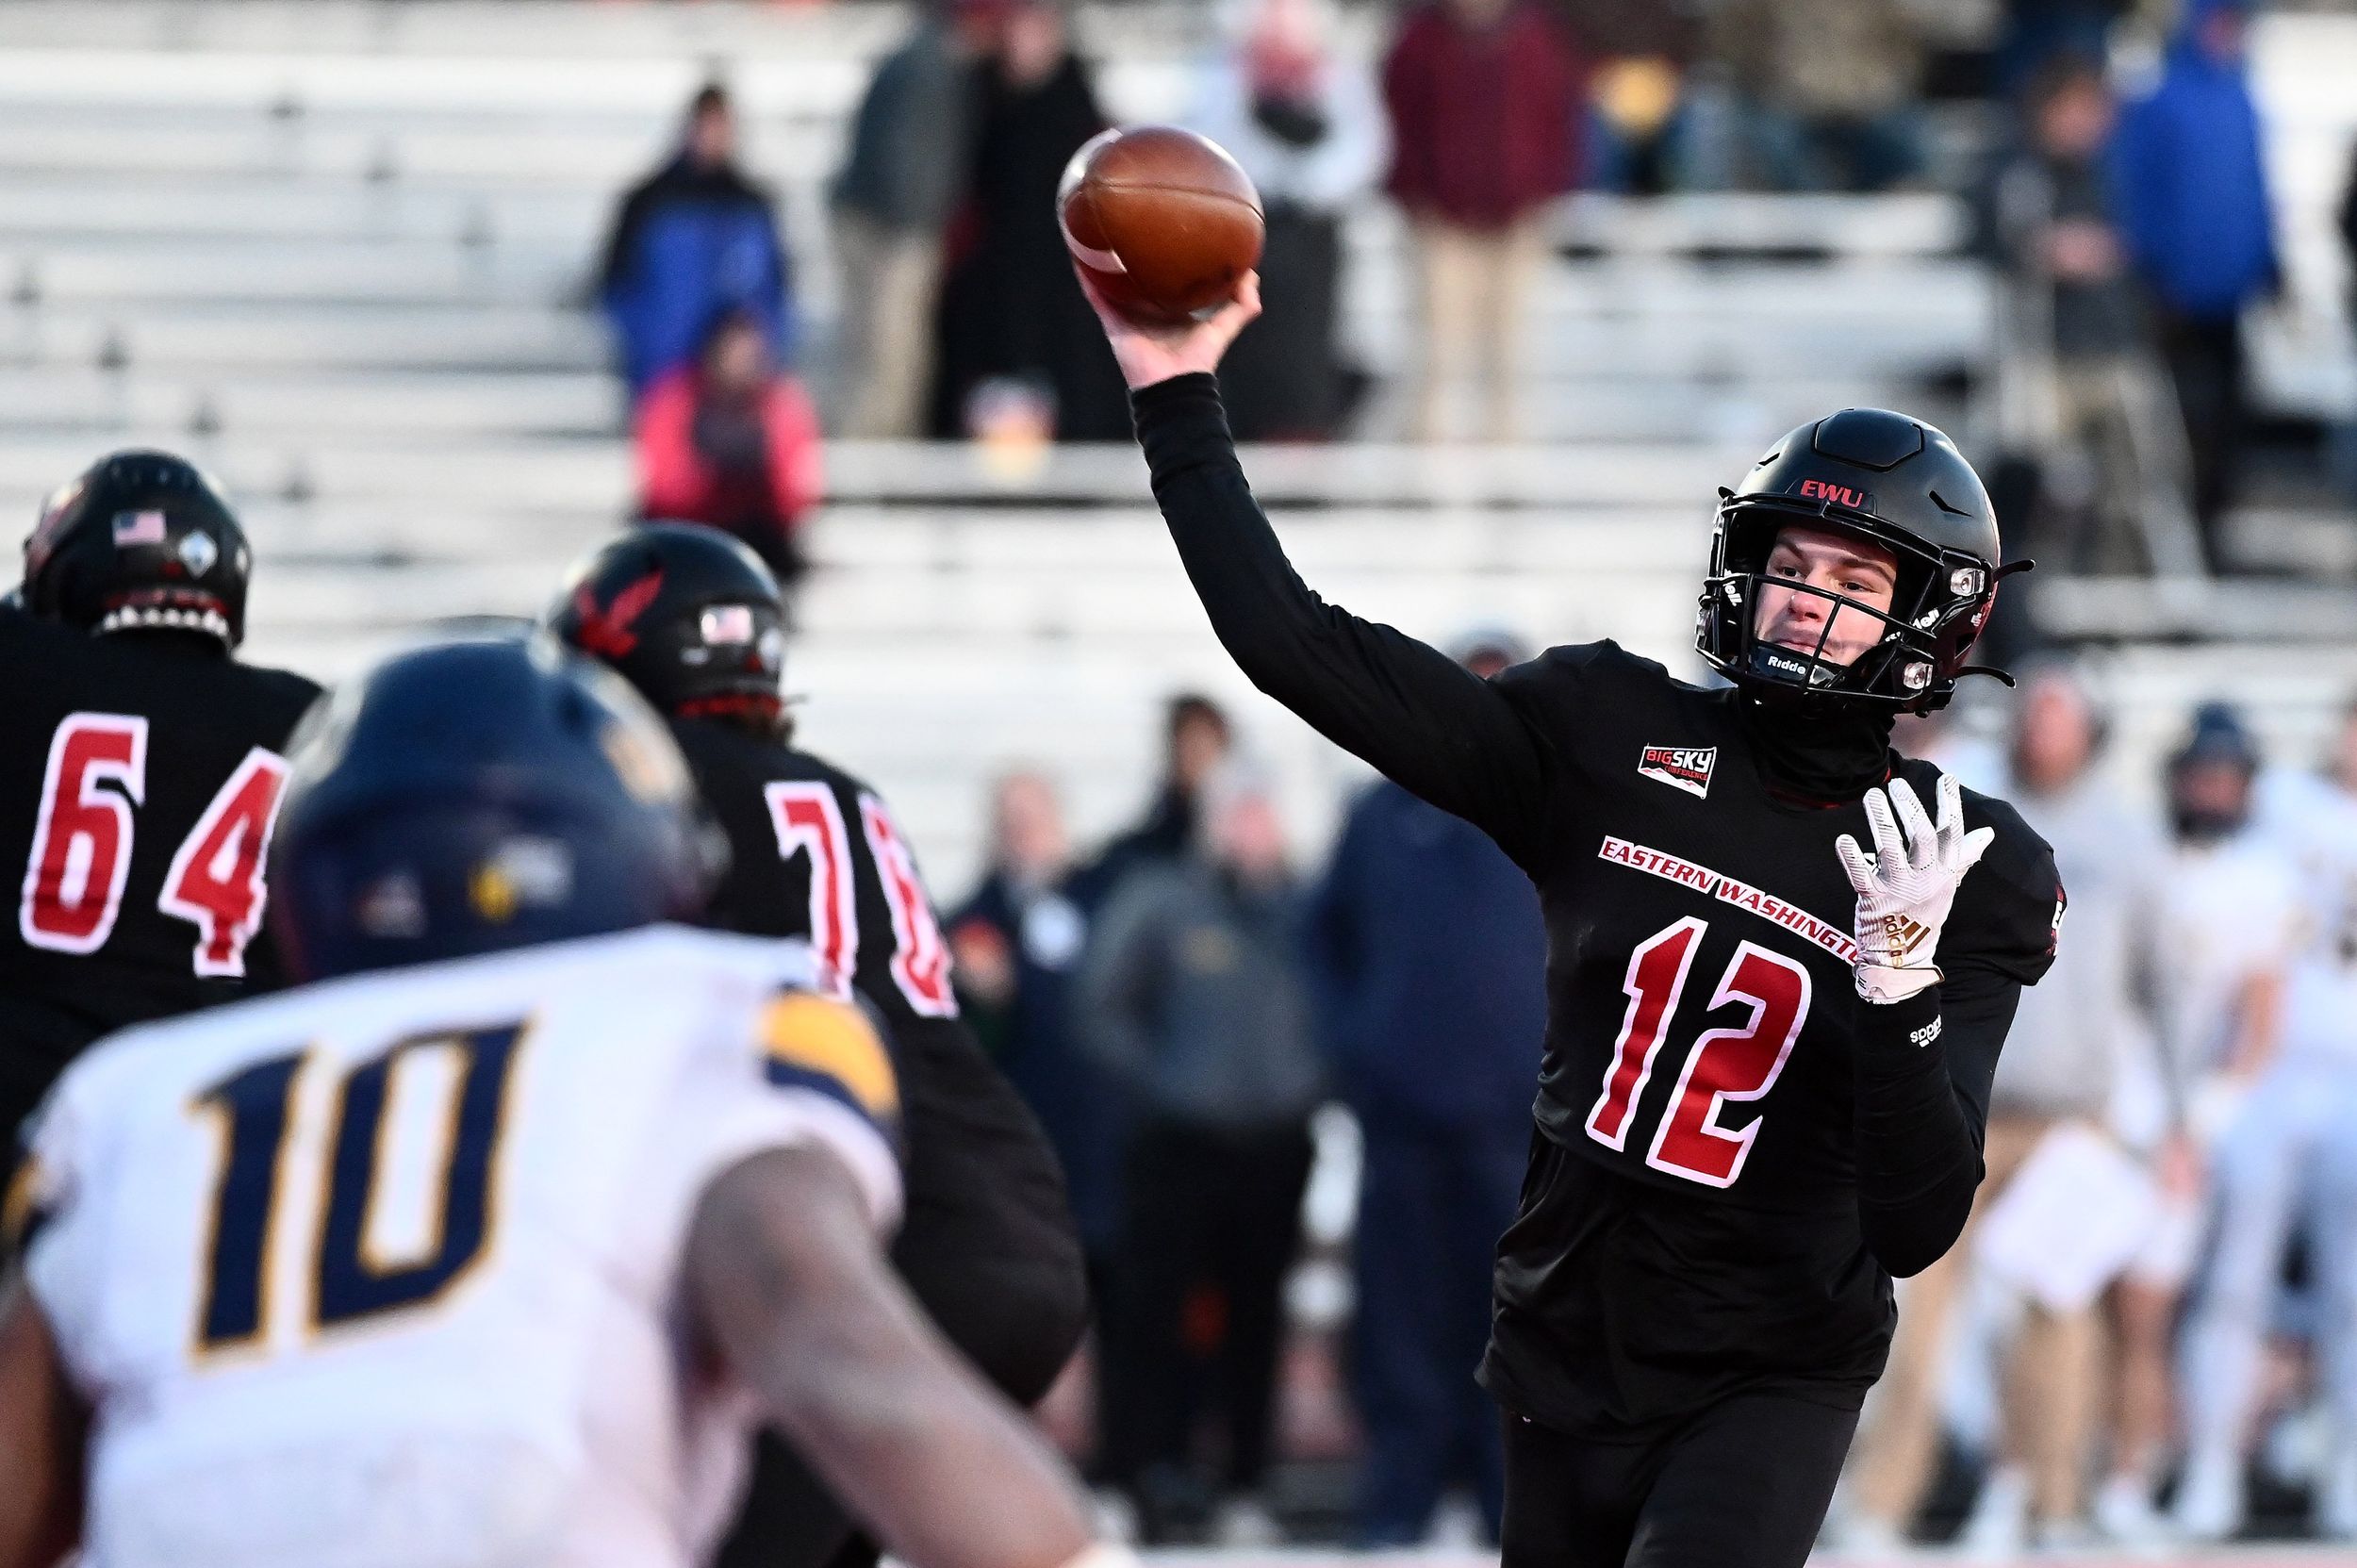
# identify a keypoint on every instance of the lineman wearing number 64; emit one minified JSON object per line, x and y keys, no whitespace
{"x":1782,"y":958}
{"x":141,"y":767}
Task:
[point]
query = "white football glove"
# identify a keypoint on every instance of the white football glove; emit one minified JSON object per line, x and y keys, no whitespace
{"x":1905,"y":886}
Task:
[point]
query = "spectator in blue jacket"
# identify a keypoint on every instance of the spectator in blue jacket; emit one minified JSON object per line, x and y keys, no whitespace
{"x":2193,"y":210}
{"x":692,"y":241}
{"x":1429,"y":955}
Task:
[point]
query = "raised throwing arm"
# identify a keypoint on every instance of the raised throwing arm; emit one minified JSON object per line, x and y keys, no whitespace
{"x":1409,"y":710}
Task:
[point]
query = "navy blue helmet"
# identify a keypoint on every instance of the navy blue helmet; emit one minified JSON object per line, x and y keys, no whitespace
{"x":474,"y":796}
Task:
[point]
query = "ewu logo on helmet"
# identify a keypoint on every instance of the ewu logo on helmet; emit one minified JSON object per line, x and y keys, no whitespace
{"x":1840,"y":495}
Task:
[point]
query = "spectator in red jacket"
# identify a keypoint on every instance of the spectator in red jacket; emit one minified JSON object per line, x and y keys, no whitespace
{"x":732,"y":442}
{"x":1485,"y":103}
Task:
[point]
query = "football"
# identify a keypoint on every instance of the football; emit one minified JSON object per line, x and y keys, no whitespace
{"x":1162,"y":221}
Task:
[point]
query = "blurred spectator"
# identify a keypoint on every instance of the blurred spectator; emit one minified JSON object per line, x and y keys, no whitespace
{"x":2052,"y":1093}
{"x":1305,"y":123}
{"x":2225,"y":920}
{"x":2286,"y":1166}
{"x":1431,"y":958}
{"x":901,"y":178}
{"x":2141,"y":1425}
{"x":1196,"y":741}
{"x":2193,"y":208}
{"x":2038,"y":32}
{"x":1825,"y":90}
{"x":1951,"y":740}
{"x":732,"y":442}
{"x":2227,"y":905}
{"x":1017,"y":941}
{"x":1640,"y":50}
{"x":2077,"y":373}
{"x":693,"y":239}
{"x":1012,"y":323}
{"x":2346,"y":223}
{"x":1192,"y":996}
{"x":1485,"y":101}
{"x":2344,"y":435}
{"x":2309,"y":813}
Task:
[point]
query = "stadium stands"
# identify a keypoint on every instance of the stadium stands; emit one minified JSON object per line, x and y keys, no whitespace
{"x":339,"y":252}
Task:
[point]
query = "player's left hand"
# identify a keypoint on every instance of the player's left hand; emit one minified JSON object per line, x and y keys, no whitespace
{"x":1907,"y":885}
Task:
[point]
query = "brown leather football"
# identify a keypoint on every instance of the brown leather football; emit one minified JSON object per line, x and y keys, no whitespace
{"x":1162,"y":221}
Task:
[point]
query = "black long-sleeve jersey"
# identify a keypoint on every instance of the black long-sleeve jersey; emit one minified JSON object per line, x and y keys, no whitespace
{"x":139,"y":776}
{"x":988,"y":1241}
{"x":814,"y":853}
{"x":1735,"y":1151}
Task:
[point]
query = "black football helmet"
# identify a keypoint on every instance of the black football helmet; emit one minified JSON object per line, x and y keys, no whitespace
{"x":476,"y":795}
{"x":685,"y":613}
{"x":1888,"y":479}
{"x":143,"y":541}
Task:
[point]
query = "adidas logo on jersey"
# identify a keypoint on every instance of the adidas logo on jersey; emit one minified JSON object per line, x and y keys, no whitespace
{"x":1686,"y":767}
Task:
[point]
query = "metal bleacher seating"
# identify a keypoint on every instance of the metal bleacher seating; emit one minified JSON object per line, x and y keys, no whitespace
{"x":338,"y":250}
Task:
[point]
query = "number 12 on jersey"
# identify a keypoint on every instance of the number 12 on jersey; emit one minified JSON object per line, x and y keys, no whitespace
{"x":1741,"y":1062}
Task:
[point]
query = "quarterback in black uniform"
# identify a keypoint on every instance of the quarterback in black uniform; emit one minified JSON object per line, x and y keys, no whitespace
{"x":139,"y":768}
{"x":1782,"y":960}
{"x":695,"y":621}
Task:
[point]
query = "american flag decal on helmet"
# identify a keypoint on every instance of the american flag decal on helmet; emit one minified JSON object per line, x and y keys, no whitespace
{"x":139,"y":528}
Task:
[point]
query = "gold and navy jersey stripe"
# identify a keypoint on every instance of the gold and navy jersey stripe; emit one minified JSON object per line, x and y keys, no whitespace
{"x":23,"y":1206}
{"x":813,"y":1042}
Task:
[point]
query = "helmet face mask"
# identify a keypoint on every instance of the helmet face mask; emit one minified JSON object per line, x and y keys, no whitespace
{"x":1937,"y":605}
{"x":1884,"y":481}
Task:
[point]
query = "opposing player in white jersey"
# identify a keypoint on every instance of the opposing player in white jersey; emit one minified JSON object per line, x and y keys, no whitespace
{"x":486,"y":1248}
{"x":2287,"y":1159}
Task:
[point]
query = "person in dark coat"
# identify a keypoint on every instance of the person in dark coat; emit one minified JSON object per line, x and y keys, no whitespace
{"x":1485,"y":101}
{"x":2344,"y":441}
{"x":1196,"y":739}
{"x":1640,"y":52}
{"x":1429,"y":955}
{"x":2347,"y":220}
{"x":1016,"y":940}
{"x":902,"y":177}
{"x":1307,"y":123}
{"x":1193,"y":998}
{"x":692,"y":241}
{"x":2078,"y":361}
{"x":2194,"y":210}
{"x":1012,"y":323}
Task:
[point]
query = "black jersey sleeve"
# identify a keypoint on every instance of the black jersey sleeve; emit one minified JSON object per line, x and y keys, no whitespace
{"x":1926,"y":1065}
{"x":1420,"y":718}
{"x":747,"y":897}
